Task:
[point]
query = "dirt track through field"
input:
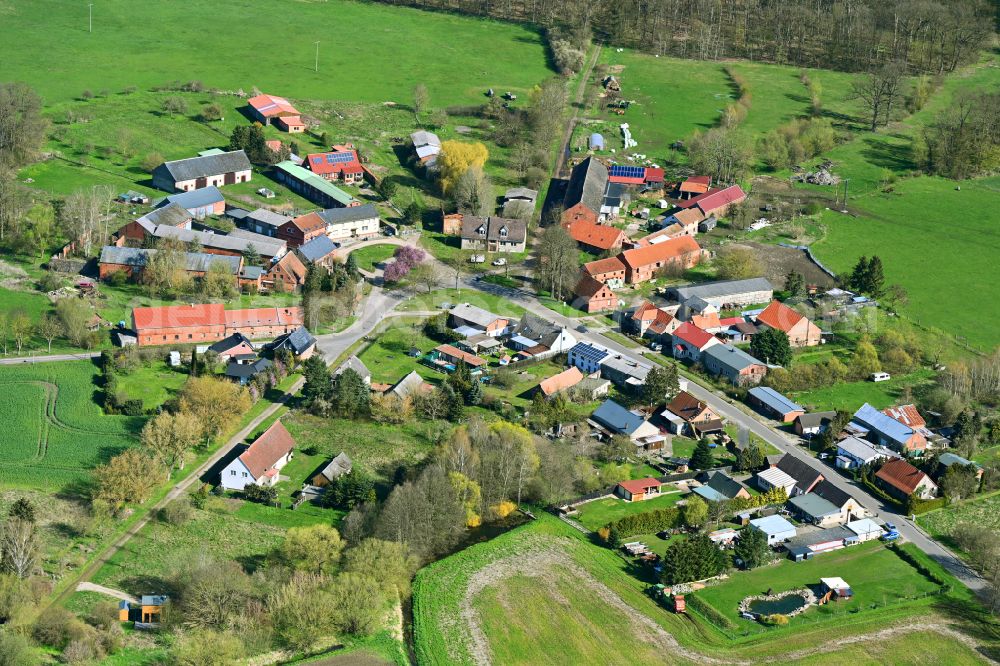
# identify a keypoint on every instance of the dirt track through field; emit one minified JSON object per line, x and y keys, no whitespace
{"x":543,"y":560}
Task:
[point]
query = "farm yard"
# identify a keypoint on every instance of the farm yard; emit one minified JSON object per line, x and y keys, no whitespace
{"x":55,"y":432}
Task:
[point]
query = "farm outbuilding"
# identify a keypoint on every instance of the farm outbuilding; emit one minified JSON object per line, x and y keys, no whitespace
{"x":596,"y":141}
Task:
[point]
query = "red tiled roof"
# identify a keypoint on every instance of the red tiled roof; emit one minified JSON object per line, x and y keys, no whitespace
{"x":179,"y":316}
{"x":291,"y":263}
{"x":780,"y":316}
{"x":645,"y":311}
{"x":716,"y":200}
{"x":455,"y":352}
{"x":309,"y":222}
{"x":601,"y":236}
{"x":609,"y":265}
{"x":267,"y":449}
{"x":732,"y":321}
{"x":694,"y":201}
{"x":324,"y":163}
{"x":291,"y":121}
{"x":670,"y":249}
{"x":694,"y":336}
{"x":628,"y":180}
{"x":901,"y":475}
{"x":698,"y":184}
{"x":663,"y":319}
{"x":564,"y":380}
{"x":264,"y":317}
{"x":270,"y":106}
{"x":654,"y":175}
{"x":636,"y":486}
{"x":907,"y":415}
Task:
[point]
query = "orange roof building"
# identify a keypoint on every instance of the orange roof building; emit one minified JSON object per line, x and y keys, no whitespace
{"x":636,"y":490}
{"x":610,"y":271}
{"x":596,"y":237}
{"x":560,"y":382}
{"x":695,"y":185}
{"x":210,"y":322}
{"x":643,"y":263}
{"x":265,"y":107}
{"x":800,"y":330}
{"x":260,"y":463}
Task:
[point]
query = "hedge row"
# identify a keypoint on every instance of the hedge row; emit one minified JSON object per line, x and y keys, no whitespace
{"x":709,"y":612}
{"x":916,"y":564}
{"x":649,"y":522}
{"x":917,"y":506}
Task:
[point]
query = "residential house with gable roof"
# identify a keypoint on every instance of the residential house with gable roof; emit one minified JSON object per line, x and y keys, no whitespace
{"x":286,"y":275}
{"x":302,"y":229}
{"x":494,"y":234}
{"x":320,"y":251}
{"x":351,"y":223}
{"x":687,"y":414}
{"x":587,"y":356}
{"x":901,"y":480}
{"x":735,"y":365}
{"x":592,"y":295}
{"x":261,"y":461}
{"x":342,"y":163}
{"x":717,"y":486}
{"x":477,"y":320}
{"x":616,"y":420}
{"x":300,"y":343}
{"x":800,"y":330}
{"x":610,"y":271}
{"x":595,"y":238}
{"x":806,"y":476}
{"x":689,"y":342}
{"x":200,"y":203}
{"x":853,"y":453}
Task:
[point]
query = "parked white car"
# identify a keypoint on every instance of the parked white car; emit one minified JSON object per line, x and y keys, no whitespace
{"x":477,"y":259}
{"x":880,"y":376}
{"x":500,"y":262}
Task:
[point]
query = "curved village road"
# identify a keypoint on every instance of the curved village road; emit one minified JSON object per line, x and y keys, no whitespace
{"x":781,"y":441}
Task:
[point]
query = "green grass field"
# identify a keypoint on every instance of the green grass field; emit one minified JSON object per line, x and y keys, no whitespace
{"x":597,"y":514}
{"x":903,"y":229}
{"x":367,"y":257}
{"x":848,"y":396}
{"x":983,"y":512}
{"x":512,"y":599}
{"x":55,"y":431}
{"x":380,"y":449}
{"x":433,"y":301}
{"x":154,"y":383}
{"x":121,"y":51}
{"x":876,"y":574}
{"x":160,"y":548}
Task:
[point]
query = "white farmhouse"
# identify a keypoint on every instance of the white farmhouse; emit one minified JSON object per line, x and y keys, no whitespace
{"x":262,"y":461}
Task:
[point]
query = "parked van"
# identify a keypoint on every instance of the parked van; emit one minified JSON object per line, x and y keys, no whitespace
{"x":880,"y":376}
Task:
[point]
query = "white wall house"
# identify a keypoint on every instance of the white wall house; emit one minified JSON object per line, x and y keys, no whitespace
{"x":261,"y":462}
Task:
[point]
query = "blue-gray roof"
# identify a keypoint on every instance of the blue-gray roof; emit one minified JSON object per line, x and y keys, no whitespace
{"x":318,"y":248}
{"x":203,"y":196}
{"x":138,"y":257}
{"x":154,"y":599}
{"x":949,"y":459}
{"x":813,"y":505}
{"x":711,"y":494}
{"x":731,"y":357}
{"x":774,"y":400}
{"x":616,"y":418}
{"x":589,"y":352}
{"x":252,"y":272}
{"x":349,"y":214}
{"x":234,"y":369}
{"x":297,"y":341}
{"x":887,"y":426}
{"x":227,"y":343}
{"x":773,"y":525}
{"x":206,"y":165}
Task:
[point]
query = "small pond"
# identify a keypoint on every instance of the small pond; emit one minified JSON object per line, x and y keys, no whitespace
{"x":783,"y":605}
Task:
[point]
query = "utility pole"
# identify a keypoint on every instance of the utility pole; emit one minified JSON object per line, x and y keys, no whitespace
{"x":316,"y":66}
{"x":91,"y":17}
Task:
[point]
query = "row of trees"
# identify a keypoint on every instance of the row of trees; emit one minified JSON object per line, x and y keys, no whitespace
{"x":932,"y":36}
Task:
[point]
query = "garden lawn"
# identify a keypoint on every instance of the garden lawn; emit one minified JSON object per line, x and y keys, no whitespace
{"x":378,"y":448}
{"x":54,"y":431}
{"x":849,"y":396}
{"x":370,"y":255}
{"x":598,"y":513}
{"x":876,"y":574}
{"x":386,"y":357}
{"x":154,"y":383}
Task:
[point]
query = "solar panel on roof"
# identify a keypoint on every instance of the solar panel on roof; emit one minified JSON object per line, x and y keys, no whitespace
{"x":625,"y":171}
{"x":343,"y":157}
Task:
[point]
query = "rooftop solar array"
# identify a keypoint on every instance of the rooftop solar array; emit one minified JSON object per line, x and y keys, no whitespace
{"x":337,"y":158}
{"x":625,"y":171}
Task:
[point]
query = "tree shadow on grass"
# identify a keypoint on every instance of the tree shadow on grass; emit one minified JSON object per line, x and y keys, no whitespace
{"x":881,"y":153}
{"x":975,"y":620}
{"x":148,"y":584}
